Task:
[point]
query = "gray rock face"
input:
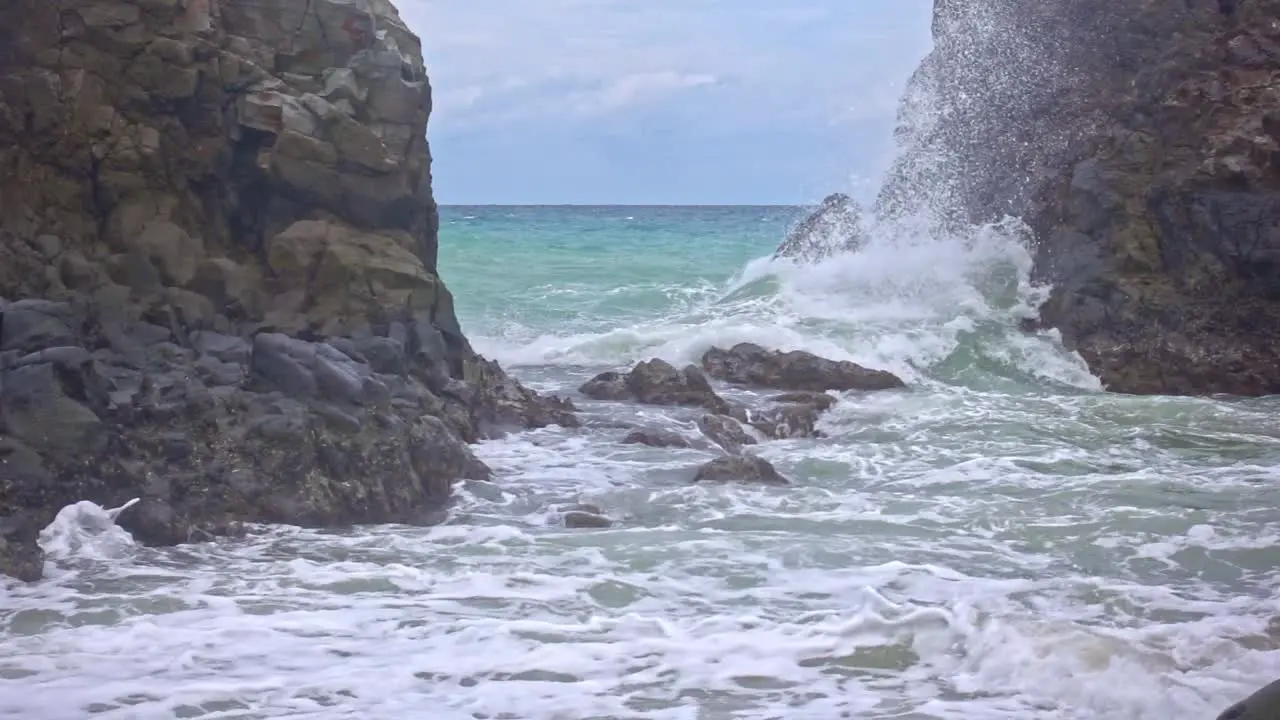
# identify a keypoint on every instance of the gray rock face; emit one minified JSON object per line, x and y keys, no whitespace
{"x":831,"y":228}
{"x":586,"y":519}
{"x":752,"y":365}
{"x":218,"y":253}
{"x":1139,"y":143}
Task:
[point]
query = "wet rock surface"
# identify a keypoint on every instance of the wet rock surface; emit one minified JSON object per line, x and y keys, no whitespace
{"x":218,"y":252}
{"x":740,"y":468}
{"x":657,"y":382}
{"x":754,"y":366}
{"x":656,"y":438}
{"x":1139,"y":143}
{"x":726,"y":432}
{"x":790,"y":420}
{"x":586,"y":517}
{"x":833,"y":227}
{"x":783,"y":416}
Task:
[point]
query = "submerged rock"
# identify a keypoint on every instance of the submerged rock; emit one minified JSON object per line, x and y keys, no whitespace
{"x":586,"y":519}
{"x":819,"y":400}
{"x":726,"y":432}
{"x":657,"y":382}
{"x":791,"y":420}
{"x":740,"y":468}
{"x":833,"y":227}
{"x":218,"y":249}
{"x":656,"y":438}
{"x":1262,"y":705}
{"x":752,"y":365}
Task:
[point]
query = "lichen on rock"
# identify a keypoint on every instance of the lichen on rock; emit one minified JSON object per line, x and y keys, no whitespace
{"x":218,"y":240}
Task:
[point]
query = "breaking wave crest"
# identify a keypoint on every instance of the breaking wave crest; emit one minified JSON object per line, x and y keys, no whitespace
{"x":930,"y":306}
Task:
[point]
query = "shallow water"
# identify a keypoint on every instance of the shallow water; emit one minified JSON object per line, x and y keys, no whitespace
{"x":1001,"y":540}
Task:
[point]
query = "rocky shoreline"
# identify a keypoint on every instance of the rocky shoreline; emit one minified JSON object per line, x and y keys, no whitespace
{"x":1140,"y":144}
{"x":218,"y":292}
{"x":217,"y":274}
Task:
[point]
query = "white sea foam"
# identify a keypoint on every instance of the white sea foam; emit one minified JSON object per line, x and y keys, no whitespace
{"x":906,"y":301}
{"x":999,"y":541}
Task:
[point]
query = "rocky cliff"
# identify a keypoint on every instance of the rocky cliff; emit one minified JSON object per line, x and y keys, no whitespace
{"x":1140,"y":141}
{"x":218,"y":287}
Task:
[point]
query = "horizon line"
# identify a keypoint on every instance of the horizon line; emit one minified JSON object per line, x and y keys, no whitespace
{"x":638,"y":205}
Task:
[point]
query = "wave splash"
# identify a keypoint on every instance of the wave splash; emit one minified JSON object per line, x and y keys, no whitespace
{"x":934,"y":307}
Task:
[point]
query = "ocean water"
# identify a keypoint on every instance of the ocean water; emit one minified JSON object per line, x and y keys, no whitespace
{"x":1001,"y":540}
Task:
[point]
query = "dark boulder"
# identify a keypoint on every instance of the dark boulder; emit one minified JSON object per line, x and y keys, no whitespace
{"x":658,"y":382}
{"x":740,"y":468}
{"x":582,"y":517}
{"x":791,"y":420}
{"x":656,"y":438}
{"x":752,"y":365}
{"x":726,"y":432}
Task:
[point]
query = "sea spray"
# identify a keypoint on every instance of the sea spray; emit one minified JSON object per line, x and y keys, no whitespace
{"x":912,"y":299}
{"x":999,"y":540}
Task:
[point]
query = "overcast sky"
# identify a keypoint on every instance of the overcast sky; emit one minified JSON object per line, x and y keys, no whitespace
{"x":663,"y":101}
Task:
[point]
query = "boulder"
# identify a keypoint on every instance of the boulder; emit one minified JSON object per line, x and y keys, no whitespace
{"x":28,"y":325}
{"x":752,"y":365}
{"x":498,"y":404}
{"x":726,"y":432}
{"x":50,"y":407}
{"x":740,"y":468}
{"x":656,"y":438}
{"x":658,"y":382}
{"x":790,"y":420}
{"x":833,"y":227}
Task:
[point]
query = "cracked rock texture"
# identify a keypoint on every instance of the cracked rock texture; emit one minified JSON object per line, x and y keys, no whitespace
{"x":218,"y":287}
{"x":1140,"y":142}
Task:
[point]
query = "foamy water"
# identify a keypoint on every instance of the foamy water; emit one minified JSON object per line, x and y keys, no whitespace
{"x":1002,"y":540}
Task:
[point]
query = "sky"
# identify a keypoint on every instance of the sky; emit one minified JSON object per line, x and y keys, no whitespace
{"x":663,"y":101}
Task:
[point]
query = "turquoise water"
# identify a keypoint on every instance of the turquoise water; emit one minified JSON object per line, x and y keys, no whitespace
{"x":1000,"y":540}
{"x":547,"y":269}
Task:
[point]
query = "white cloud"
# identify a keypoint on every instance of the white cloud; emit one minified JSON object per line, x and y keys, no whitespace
{"x":779,"y":63}
{"x":635,"y":89}
{"x":772,"y":88}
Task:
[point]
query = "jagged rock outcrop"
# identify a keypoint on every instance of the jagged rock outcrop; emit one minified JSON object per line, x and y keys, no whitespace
{"x":754,"y":366}
{"x":218,"y":237}
{"x":657,"y":382}
{"x":1140,"y":142}
{"x":831,"y":228}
